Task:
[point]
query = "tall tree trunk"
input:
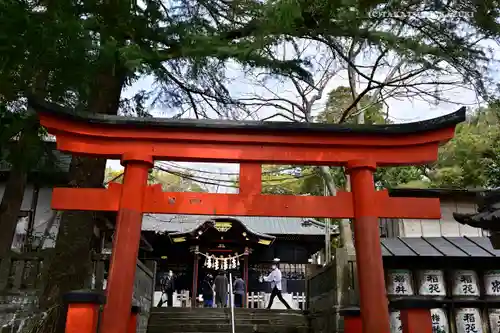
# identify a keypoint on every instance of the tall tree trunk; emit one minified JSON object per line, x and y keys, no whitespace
{"x":71,"y":264}
{"x":344,"y":225}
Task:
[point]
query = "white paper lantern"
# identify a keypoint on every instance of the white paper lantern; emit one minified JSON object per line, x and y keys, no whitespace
{"x":492,"y":283}
{"x":494,"y":318}
{"x":468,"y":320}
{"x":439,"y":321}
{"x":399,"y":282}
{"x":465,"y":284}
{"x":431,"y":283}
{"x":395,"y":322}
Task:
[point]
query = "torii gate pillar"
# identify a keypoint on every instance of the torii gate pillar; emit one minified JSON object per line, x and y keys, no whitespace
{"x":126,"y":241}
{"x":372,"y":293}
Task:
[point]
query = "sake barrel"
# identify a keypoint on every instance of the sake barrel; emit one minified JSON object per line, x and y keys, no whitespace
{"x":465,"y":284}
{"x":399,"y":282}
{"x":468,"y":320}
{"x":494,"y":319}
{"x":492,"y":283}
{"x":439,"y":321}
{"x":395,"y":322}
{"x":431,"y":283}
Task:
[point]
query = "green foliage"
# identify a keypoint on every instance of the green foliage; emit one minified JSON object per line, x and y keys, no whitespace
{"x":471,"y":159}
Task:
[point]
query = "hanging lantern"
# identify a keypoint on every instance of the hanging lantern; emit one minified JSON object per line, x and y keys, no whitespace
{"x":399,"y":282}
{"x":431,"y":283}
{"x":469,"y":320}
{"x":465,"y":284}
{"x":492,"y":283}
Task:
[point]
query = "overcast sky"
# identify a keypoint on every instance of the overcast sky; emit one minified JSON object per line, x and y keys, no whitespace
{"x":399,"y":110}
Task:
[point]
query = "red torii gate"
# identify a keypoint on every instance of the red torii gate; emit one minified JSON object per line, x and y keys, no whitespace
{"x":139,"y":142}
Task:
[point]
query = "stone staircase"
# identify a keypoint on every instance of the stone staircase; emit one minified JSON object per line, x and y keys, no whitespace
{"x":213,"y":320}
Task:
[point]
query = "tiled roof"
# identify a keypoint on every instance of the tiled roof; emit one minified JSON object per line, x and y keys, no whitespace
{"x":265,"y":225}
{"x":438,"y":247}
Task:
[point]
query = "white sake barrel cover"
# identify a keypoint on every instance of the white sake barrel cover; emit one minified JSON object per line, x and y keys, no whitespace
{"x":431,"y":283}
{"x":465,"y":284}
{"x":399,"y":282}
{"x":492,"y":283}
{"x":395,"y":322}
{"x":438,"y":317}
{"x":494,"y":318}
{"x":468,"y":320}
{"x":439,"y":321}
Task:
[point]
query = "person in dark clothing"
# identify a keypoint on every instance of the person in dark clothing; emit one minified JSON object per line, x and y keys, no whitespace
{"x":167,"y":284}
{"x":207,"y":289}
{"x":239,"y":292}
{"x":220,"y":285}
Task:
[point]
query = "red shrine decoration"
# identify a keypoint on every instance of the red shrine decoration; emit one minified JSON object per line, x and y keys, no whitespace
{"x":139,"y":142}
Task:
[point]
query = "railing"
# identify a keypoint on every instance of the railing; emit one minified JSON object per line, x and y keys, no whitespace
{"x":231,"y":301}
{"x":257,"y":300}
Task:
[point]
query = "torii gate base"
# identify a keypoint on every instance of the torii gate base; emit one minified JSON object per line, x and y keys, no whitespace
{"x":138,"y":142}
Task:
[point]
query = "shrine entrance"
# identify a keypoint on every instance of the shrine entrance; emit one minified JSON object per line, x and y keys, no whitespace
{"x":220,"y":244}
{"x":139,"y":142}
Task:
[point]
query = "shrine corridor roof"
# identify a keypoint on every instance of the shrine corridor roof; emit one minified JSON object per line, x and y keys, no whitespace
{"x":438,"y":247}
{"x":168,"y":223}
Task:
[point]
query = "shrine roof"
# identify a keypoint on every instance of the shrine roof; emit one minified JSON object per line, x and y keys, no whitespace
{"x":168,"y":223}
{"x":460,"y":247}
{"x":445,"y":121}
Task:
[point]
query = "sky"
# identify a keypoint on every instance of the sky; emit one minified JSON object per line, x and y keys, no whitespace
{"x":399,"y":110}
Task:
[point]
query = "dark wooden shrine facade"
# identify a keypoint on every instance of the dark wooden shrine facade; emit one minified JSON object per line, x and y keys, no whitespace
{"x":139,"y":142}
{"x":219,"y":238}
{"x":293,"y":250}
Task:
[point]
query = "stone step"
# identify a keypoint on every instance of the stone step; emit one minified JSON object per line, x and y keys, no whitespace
{"x":218,"y":310}
{"x":226,"y":328}
{"x":276,"y":319}
{"x":215,"y":321}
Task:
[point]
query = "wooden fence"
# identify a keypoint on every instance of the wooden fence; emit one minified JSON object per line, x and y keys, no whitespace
{"x":329,"y":288}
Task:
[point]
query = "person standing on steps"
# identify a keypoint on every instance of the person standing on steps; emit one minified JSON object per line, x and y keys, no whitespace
{"x":207,"y":288}
{"x":275,"y":279}
{"x":220,"y":285}
{"x":239,"y":292}
{"x":167,"y":284}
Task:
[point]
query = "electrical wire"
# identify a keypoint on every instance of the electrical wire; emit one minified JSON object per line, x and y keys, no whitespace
{"x":210,"y":180}
{"x":175,"y":165}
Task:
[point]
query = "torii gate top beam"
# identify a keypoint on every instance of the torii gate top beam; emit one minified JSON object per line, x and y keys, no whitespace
{"x":249,"y":141}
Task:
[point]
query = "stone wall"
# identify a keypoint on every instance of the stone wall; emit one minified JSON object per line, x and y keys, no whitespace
{"x":328,"y":289}
{"x":20,"y":275}
{"x":144,"y":292}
